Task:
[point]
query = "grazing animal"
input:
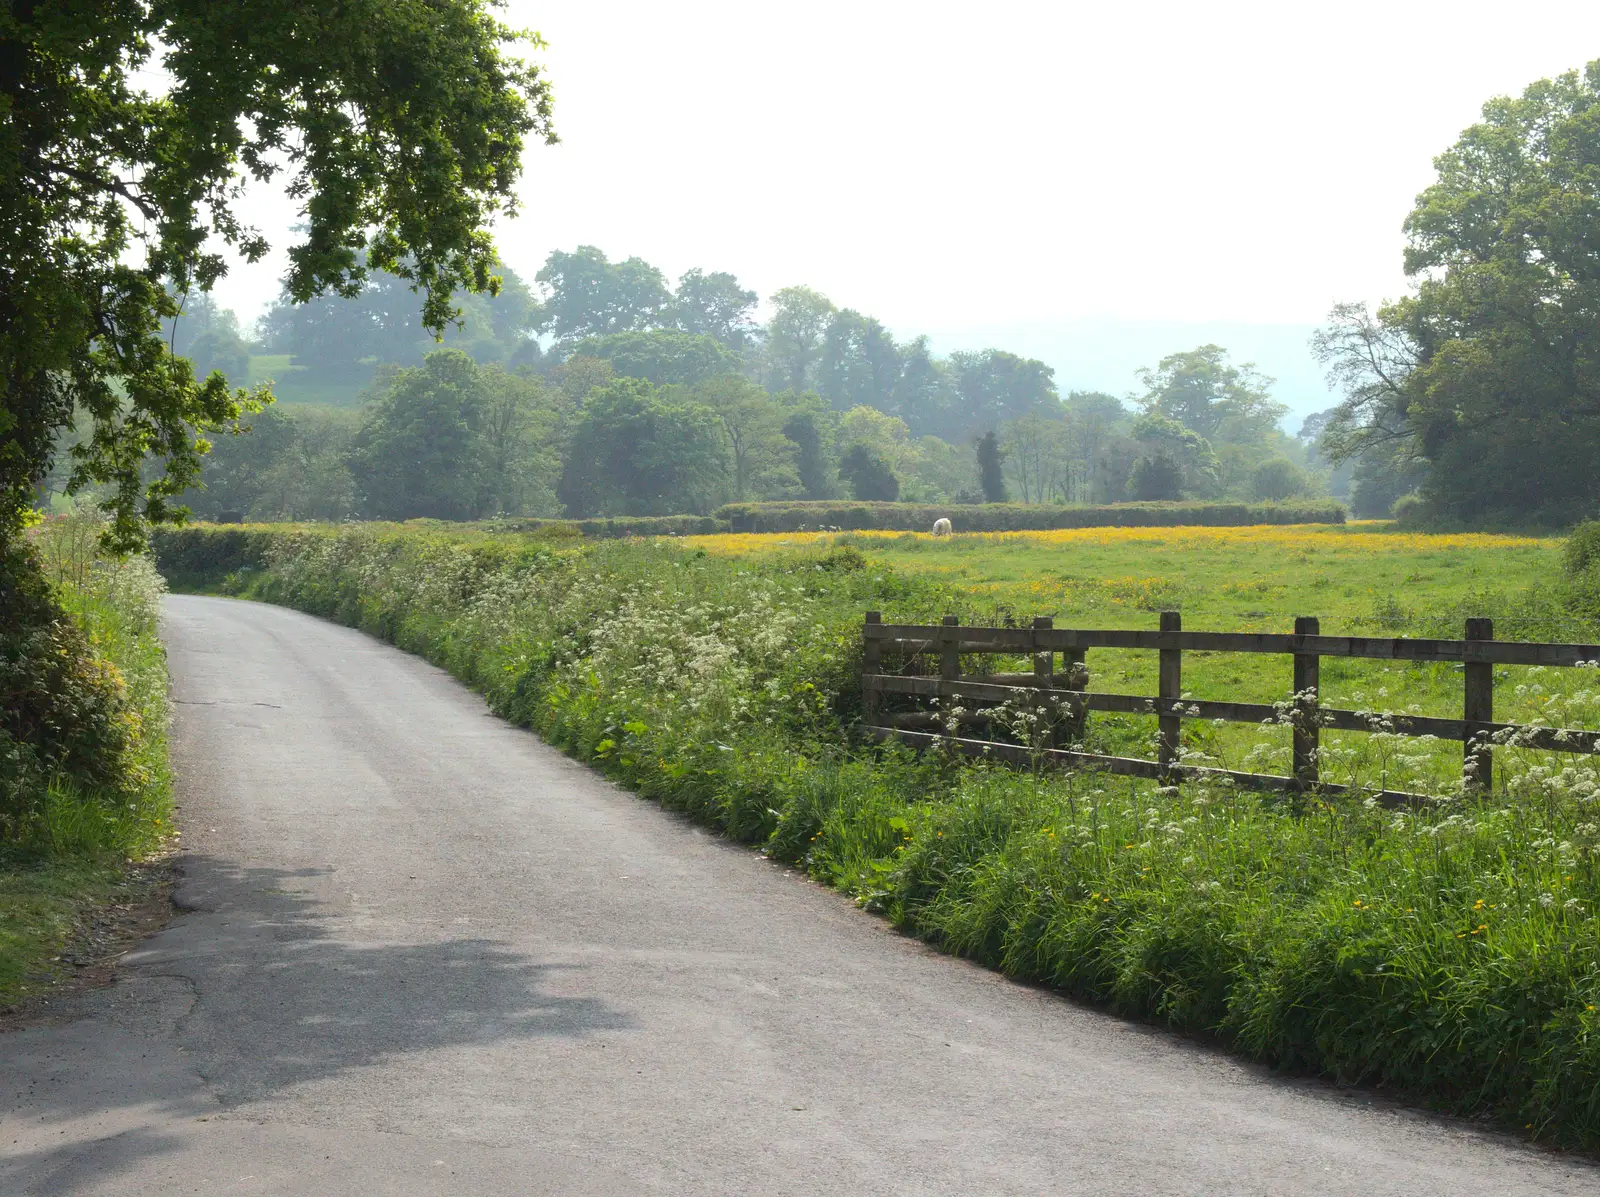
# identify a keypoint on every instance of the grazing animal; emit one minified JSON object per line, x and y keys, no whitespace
{"x":941,"y":527}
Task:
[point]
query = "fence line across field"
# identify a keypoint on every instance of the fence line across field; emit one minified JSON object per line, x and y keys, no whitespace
{"x":1477,"y":730}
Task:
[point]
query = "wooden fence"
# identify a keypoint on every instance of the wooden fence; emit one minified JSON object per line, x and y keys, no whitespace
{"x":1066,"y":694}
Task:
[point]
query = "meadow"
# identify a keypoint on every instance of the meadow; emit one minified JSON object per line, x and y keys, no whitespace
{"x":1358,"y":579}
{"x":1449,"y":953}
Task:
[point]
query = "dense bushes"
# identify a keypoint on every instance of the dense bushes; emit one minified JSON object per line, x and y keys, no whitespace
{"x":1451,"y":953}
{"x":82,"y":695}
{"x":61,"y":706}
{"x":1016,"y":517}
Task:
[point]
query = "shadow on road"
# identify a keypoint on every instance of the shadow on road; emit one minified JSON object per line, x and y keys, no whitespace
{"x":256,"y":993}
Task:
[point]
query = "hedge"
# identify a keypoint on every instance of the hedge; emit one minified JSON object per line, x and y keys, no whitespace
{"x":1016,"y":517}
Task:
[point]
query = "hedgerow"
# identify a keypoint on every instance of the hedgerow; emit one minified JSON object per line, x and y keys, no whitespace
{"x":83,"y":701}
{"x":85,"y":786}
{"x":1016,"y":517}
{"x":1450,"y":953}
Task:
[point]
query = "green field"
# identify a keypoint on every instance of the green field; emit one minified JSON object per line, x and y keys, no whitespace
{"x":1359,"y":579}
{"x":296,"y":385}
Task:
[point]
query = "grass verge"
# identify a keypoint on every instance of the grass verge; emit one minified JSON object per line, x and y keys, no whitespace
{"x":80,"y":875}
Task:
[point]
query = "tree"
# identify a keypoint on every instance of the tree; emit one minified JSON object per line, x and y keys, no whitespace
{"x":752,"y":425}
{"x":1277,"y":479}
{"x":285,"y":464}
{"x":419,"y":451}
{"x":715,"y":305}
{"x":886,"y":435}
{"x":343,"y":336}
{"x":794,"y":337}
{"x":235,"y":470}
{"x":1203,"y":392}
{"x":1100,"y":450}
{"x":1164,"y":440}
{"x":400,"y":128}
{"x":922,"y":393}
{"x":993,"y":387}
{"x":636,"y":451}
{"x":991,"y":473}
{"x":1034,"y":454}
{"x":809,"y":426}
{"x":860,"y":363}
{"x":870,"y":478}
{"x":664,"y":358}
{"x":223,"y":349}
{"x":516,"y":431}
{"x":587,"y":295}
{"x":1155,"y":477}
{"x":1489,"y":372}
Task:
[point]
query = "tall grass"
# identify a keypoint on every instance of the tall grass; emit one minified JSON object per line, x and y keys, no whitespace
{"x":117,"y":603}
{"x":68,"y":850}
{"x":1450,"y":953}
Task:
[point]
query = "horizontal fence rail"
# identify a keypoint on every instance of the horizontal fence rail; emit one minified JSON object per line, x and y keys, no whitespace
{"x":1066,"y":694}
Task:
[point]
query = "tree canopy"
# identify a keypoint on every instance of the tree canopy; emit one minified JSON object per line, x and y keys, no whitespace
{"x":397,"y":124}
{"x":1489,"y":371}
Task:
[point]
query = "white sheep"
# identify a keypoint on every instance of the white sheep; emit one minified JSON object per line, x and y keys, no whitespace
{"x":941,"y":527}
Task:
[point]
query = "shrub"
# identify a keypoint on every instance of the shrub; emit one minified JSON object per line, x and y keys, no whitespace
{"x":1277,"y":479}
{"x":1155,"y":477}
{"x":1582,"y":549}
{"x":1409,"y":511}
{"x":82,"y":739}
{"x":869,"y":475}
{"x":1581,"y":566}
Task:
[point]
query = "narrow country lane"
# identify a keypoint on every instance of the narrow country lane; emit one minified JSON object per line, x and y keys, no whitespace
{"x":423,"y":953}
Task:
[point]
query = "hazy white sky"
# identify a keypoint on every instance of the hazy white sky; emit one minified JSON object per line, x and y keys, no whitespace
{"x":950,"y":167}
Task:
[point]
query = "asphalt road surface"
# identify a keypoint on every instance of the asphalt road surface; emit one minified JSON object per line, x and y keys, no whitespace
{"x":423,"y":953}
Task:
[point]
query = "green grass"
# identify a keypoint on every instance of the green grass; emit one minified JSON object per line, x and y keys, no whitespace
{"x":43,"y":899}
{"x":298,"y":385}
{"x":1450,"y":953}
{"x":1360,"y":579}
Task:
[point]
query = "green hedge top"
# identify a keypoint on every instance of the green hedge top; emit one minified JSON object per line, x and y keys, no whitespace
{"x":1016,"y":517}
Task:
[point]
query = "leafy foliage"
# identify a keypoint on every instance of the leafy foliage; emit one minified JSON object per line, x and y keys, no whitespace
{"x":82,"y":694}
{"x":991,"y":476}
{"x":638,"y":451}
{"x":664,"y":358}
{"x":1487,"y":371}
{"x":452,"y":440}
{"x":399,"y":123}
{"x":869,"y":475}
{"x":1156,"y":477}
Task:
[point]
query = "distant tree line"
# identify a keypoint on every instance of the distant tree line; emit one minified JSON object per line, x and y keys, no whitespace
{"x":601,"y":389}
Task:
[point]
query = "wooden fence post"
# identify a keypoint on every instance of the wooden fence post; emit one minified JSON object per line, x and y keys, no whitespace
{"x":1477,"y":766}
{"x":1043,"y":661}
{"x":1307,"y":735}
{"x":1043,"y":669}
{"x":871,"y":663}
{"x":950,"y":651}
{"x":1169,"y":685}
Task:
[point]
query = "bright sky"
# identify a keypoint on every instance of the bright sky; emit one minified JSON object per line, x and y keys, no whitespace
{"x":950,"y":167}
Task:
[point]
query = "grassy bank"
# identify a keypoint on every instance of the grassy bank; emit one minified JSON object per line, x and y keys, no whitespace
{"x":75,"y":830}
{"x":1450,"y":954}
